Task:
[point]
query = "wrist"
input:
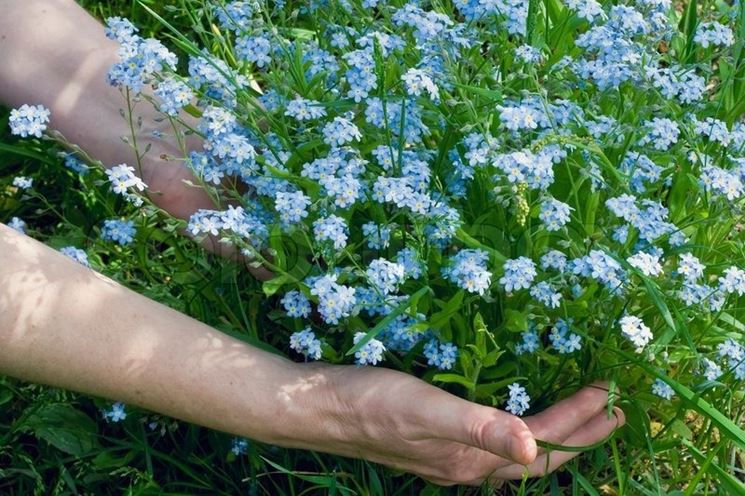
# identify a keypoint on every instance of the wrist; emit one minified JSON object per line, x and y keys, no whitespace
{"x":312,"y":408}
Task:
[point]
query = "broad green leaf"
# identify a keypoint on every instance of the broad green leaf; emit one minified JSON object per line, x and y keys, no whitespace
{"x":65,"y":428}
{"x":515,"y":321}
{"x":455,"y":379}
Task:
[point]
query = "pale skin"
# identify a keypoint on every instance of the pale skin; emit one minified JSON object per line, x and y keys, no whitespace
{"x":65,"y":325}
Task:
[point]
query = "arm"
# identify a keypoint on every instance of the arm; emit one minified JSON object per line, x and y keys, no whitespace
{"x":55,"y":54}
{"x":68,"y":326}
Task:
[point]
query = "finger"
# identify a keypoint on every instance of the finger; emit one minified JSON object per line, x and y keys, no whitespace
{"x":497,"y":432}
{"x":597,"y":429}
{"x":564,"y":418}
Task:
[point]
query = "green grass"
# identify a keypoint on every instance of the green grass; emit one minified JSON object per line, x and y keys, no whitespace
{"x":56,"y":442}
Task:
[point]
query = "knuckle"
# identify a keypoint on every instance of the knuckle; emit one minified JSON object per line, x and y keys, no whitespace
{"x":480,"y":432}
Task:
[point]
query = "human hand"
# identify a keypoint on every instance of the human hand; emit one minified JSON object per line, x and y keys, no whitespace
{"x":397,"y":420}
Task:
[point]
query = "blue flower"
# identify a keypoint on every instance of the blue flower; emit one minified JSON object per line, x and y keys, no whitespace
{"x":401,"y":335}
{"x":296,"y":304}
{"x":562,"y":340}
{"x":292,"y":207}
{"x":530,"y":343}
{"x":440,"y":355}
{"x":76,"y":254}
{"x":75,"y":165}
{"x":239,"y":446}
{"x":235,"y":16}
{"x":648,"y":264}
{"x":633,"y":329}
{"x":711,"y":370}
{"x":332,"y":229}
{"x":22,"y":182}
{"x":304,"y":110}
{"x":518,"y":274}
{"x":306,"y":343}
{"x":418,"y":81}
{"x":119,"y":29}
{"x":335,"y":301}
{"x":734,"y":353}
{"x":236,"y":220}
{"x":601,"y":267}
{"x":733,"y":281}
{"x":554,"y":259}
{"x":18,"y":225}
{"x":713,"y":34}
{"x":254,"y":49}
{"x":140,"y":58}
{"x":546,"y":294}
{"x":116,"y":414}
{"x":174,"y":95}
{"x":586,"y":9}
{"x":554,"y":214}
{"x":519,"y":401}
{"x":119,"y":231}
{"x":123,"y":179}
{"x":467,"y":269}
{"x":371,"y":353}
{"x":341,"y":131}
{"x":377,"y":236}
{"x":384,"y":275}
{"x":528,"y":54}
{"x":29,"y":120}
{"x":409,"y":258}
{"x":662,"y":389}
{"x":662,"y":134}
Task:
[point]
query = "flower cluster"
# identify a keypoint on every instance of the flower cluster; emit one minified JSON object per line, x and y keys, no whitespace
{"x":76,"y":254}
{"x":306,"y":343}
{"x":116,"y":414}
{"x":434,"y":188}
{"x":125,"y":182}
{"x":29,"y":120}
{"x":388,"y":200}
{"x":519,"y":401}
{"x":118,"y":231}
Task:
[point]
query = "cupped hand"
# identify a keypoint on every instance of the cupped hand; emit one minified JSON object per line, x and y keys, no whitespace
{"x":400,"y":421}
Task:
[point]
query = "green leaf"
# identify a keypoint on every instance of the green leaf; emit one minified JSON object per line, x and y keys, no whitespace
{"x":515,"y":321}
{"x":387,"y":320}
{"x":472,"y":242}
{"x":25,"y":152}
{"x":322,"y":480}
{"x":439,"y":319}
{"x":724,"y":479}
{"x":491,"y":94}
{"x":729,"y":319}
{"x":681,"y":429}
{"x":455,"y":379}
{"x":5,"y":395}
{"x":732,"y":431}
{"x":65,"y":428}
{"x":586,"y":485}
{"x":689,"y":22}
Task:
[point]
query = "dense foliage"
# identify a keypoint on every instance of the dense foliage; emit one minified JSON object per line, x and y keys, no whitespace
{"x":509,"y":199}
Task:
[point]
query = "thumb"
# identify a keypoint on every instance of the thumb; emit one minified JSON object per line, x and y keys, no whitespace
{"x":488,"y":429}
{"x":503,"y":434}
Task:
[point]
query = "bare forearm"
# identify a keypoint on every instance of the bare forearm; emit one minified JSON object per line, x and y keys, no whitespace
{"x":68,"y":326}
{"x":55,"y":54}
